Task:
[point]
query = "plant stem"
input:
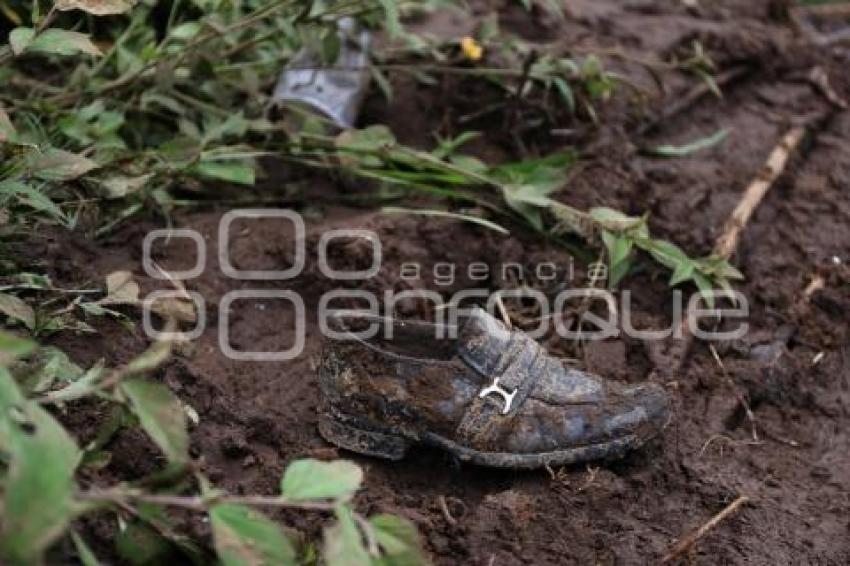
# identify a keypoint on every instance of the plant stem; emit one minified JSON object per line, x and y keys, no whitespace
{"x":123,"y":496}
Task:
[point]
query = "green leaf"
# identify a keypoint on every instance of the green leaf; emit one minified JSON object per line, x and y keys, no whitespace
{"x":399,"y":541}
{"x":185,"y":31}
{"x":694,"y":146}
{"x":713,"y":265}
{"x":705,"y":287}
{"x":571,"y":220}
{"x":80,"y":387}
{"x":93,"y":124}
{"x":619,"y":248}
{"x":84,"y":553}
{"x":682,"y":272}
{"x":449,"y":146}
{"x":667,"y":253}
{"x":20,"y":39}
{"x":96,"y":7}
{"x":158,"y":518}
{"x":7,"y":129}
{"x":30,"y":196}
{"x":38,"y":490}
{"x":566,"y":92}
{"x":727,"y":288}
{"x":617,"y":272}
{"x":150,"y":98}
{"x":161,"y":414}
{"x":470,"y":164}
{"x":235,"y":125}
{"x":527,"y":200}
{"x":15,"y":308}
{"x":13,"y":347}
{"x":729,"y":271}
{"x":55,"y":41}
{"x":368,"y":140}
{"x":547,"y":174}
{"x":392,"y":17}
{"x":140,"y":545}
{"x":383,"y":83}
{"x":231,"y":171}
{"x":313,"y":479}
{"x":150,"y":359}
{"x":180,"y":151}
{"x":344,"y":543}
{"x":54,"y":164}
{"x":244,"y":537}
{"x":614,"y":220}
{"x":119,"y":186}
{"x":42,"y":370}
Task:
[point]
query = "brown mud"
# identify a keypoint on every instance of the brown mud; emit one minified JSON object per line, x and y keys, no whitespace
{"x":255,"y":417}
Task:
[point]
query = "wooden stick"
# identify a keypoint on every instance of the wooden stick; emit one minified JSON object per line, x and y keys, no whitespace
{"x":727,"y":243}
{"x":819,"y":78}
{"x":444,"y":507}
{"x":815,"y":285}
{"x":504,"y":312}
{"x":692,"y":538}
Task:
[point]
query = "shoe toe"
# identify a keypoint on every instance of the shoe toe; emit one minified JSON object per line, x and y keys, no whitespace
{"x":646,"y":412}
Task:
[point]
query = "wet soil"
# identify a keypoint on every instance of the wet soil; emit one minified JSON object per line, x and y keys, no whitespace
{"x":792,"y":458}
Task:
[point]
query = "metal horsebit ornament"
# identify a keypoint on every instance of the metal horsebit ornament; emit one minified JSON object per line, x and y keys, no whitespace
{"x":507,"y":397}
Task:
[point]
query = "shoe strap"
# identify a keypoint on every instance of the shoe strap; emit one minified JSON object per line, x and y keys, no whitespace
{"x":513,"y":374}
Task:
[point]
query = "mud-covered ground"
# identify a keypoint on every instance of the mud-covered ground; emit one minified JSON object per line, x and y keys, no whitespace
{"x":792,"y":458}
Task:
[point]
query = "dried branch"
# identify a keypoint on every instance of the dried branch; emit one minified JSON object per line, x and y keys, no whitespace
{"x":727,"y":243}
{"x":692,"y":538}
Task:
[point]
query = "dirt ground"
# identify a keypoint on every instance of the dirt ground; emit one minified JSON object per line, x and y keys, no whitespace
{"x":792,"y":459}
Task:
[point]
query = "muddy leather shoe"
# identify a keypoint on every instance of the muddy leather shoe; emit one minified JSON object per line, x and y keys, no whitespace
{"x":492,"y":397}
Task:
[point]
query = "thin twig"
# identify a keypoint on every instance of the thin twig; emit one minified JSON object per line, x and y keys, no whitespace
{"x":816,"y":284}
{"x":504,"y":312}
{"x":176,"y":283}
{"x":369,"y":532}
{"x":691,"y":539}
{"x":819,"y":78}
{"x":727,"y":243}
{"x":444,"y":508}
{"x":741,"y":399}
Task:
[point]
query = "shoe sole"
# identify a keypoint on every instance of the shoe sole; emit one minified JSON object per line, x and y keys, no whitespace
{"x":364,"y":438}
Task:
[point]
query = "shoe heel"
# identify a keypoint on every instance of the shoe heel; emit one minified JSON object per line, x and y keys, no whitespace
{"x":369,"y":442}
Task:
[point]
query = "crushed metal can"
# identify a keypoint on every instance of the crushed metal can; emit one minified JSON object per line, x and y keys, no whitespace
{"x":336,"y":91}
